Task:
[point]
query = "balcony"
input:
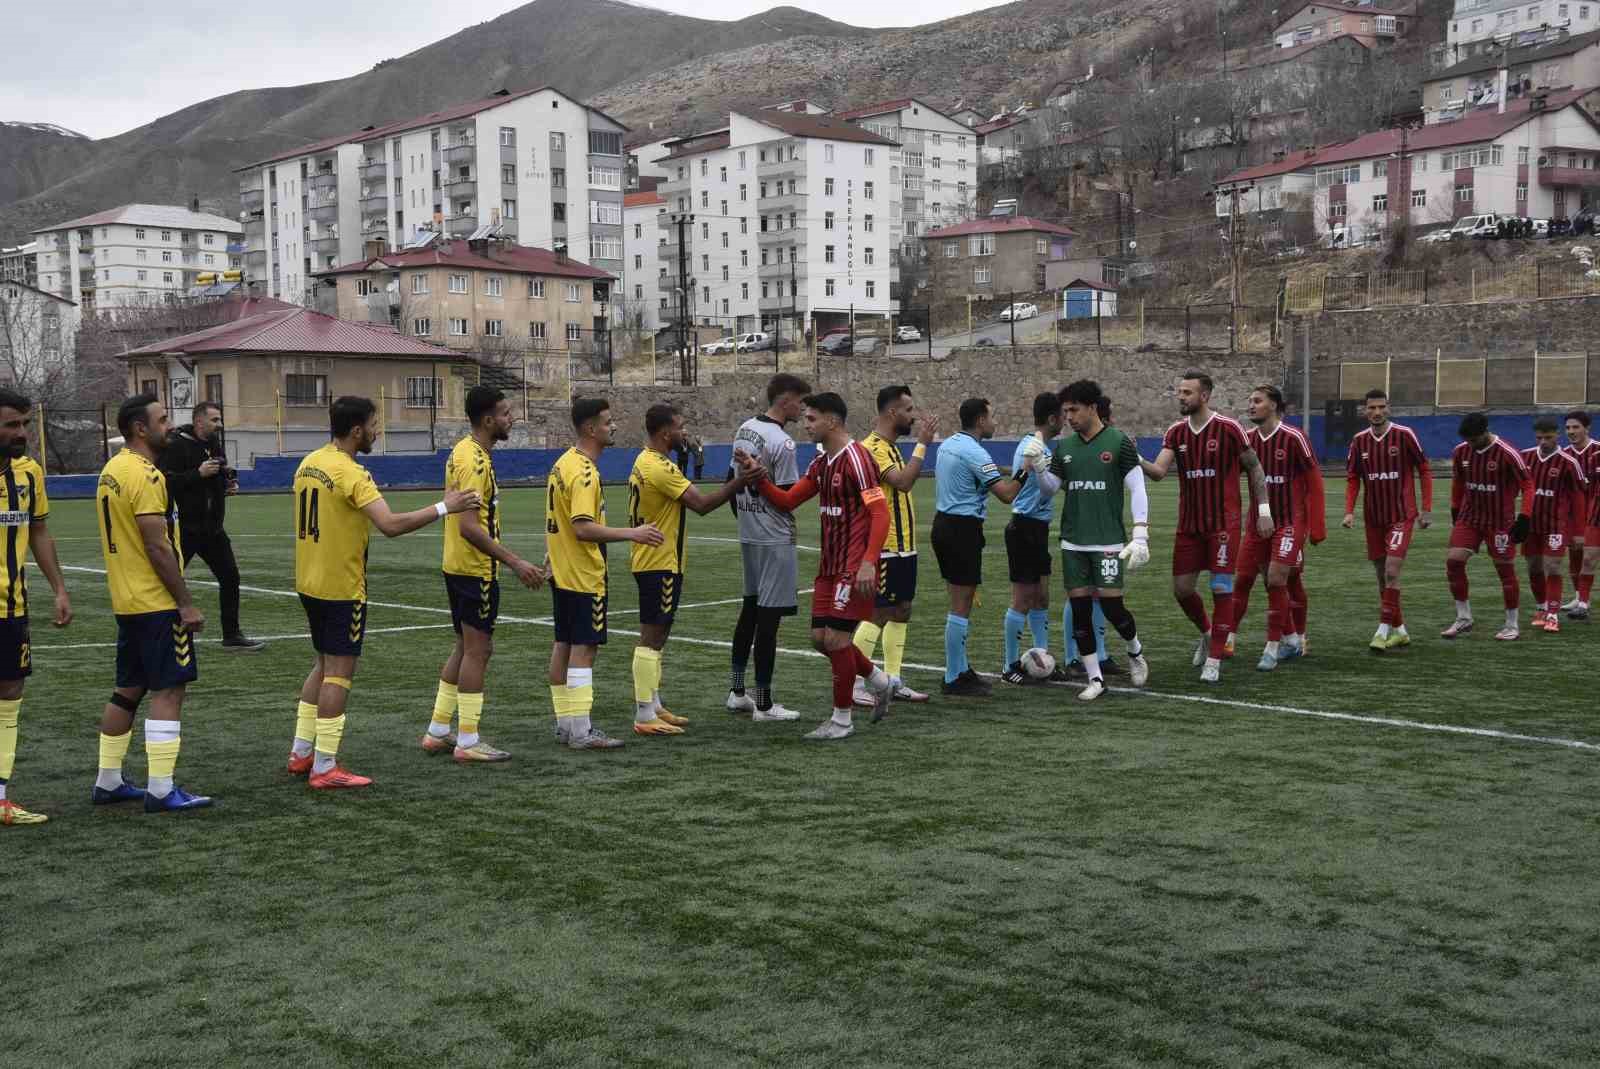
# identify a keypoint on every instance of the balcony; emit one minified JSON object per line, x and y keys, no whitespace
{"x":324,"y":246}
{"x":460,"y":187}
{"x":375,"y":199}
{"x":374,"y":171}
{"x":780,"y":269}
{"x":86,"y":278}
{"x":322,"y":180}
{"x":1569,"y":177}
{"x":458,"y":226}
{"x":463,"y":153}
{"x":785,"y":202}
{"x":508,"y":228}
{"x":255,"y":263}
{"x":782,"y":168}
{"x":252,"y":201}
{"x":323,"y":209}
{"x":375,"y":226}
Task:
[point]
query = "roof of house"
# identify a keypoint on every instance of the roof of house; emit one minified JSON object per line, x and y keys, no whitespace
{"x":168,"y":215}
{"x":1483,"y":125}
{"x":1009,"y":225}
{"x":17,"y":284}
{"x":1087,"y":135}
{"x":826,"y":127}
{"x":514,"y":259}
{"x":298,"y":330}
{"x":1002,"y":123}
{"x":1273,"y":56}
{"x":869,"y":110}
{"x":642,"y":199}
{"x":709,"y":141}
{"x":1404,"y":7}
{"x":1488,"y":61}
{"x":1080,"y":283}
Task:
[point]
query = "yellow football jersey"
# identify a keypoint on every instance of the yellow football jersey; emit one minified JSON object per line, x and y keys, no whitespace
{"x":902,"y":538}
{"x":573,"y":493}
{"x":470,"y":468}
{"x":131,"y":486}
{"x":655,"y":495}
{"x":331,"y":531}
{"x":25,"y":504}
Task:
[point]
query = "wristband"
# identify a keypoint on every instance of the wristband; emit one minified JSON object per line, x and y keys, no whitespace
{"x":438,"y":506}
{"x":920,"y":451}
{"x":1265,"y":511}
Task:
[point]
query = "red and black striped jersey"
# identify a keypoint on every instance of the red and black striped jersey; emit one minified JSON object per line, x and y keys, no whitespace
{"x":1208,"y":470}
{"x":841,"y":480}
{"x":1386,"y":466}
{"x":1589,"y":460}
{"x":1560,"y":491}
{"x":1487,"y":482}
{"x":1286,"y":459}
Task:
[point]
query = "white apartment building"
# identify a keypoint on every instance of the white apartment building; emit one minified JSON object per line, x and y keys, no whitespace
{"x":545,"y":169}
{"x":1483,"y":25}
{"x":135,"y":254}
{"x":939,"y":162}
{"x":643,"y":270}
{"x":38,"y":333}
{"x":20,"y":263}
{"x":790,"y":217}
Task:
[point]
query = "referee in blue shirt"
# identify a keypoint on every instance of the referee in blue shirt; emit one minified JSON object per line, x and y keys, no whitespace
{"x":964,"y":477}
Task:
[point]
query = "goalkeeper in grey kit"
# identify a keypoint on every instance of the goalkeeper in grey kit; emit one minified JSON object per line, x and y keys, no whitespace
{"x":1093,"y":466}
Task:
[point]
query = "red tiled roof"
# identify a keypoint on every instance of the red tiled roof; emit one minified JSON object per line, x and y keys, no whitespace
{"x":298,"y":330}
{"x":1010,"y":225}
{"x":873,"y":109}
{"x":825,"y":127}
{"x":642,"y":199}
{"x":514,"y":259}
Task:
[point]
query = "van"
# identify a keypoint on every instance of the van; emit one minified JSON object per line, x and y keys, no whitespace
{"x":1486,"y":225}
{"x":749,"y":343}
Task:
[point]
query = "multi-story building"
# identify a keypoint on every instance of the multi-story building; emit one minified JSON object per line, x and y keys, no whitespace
{"x":1476,"y":81}
{"x":939,"y":162}
{"x":1490,"y":25}
{"x":643,"y":301}
{"x":535,"y":166}
{"x":994,"y":258}
{"x":38,"y":332}
{"x":1373,"y":23}
{"x":496,"y":299}
{"x":20,"y":263}
{"x":132,"y":255}
{"x":785,"y":217}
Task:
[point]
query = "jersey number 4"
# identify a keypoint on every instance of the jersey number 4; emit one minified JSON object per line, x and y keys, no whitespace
{"x":308,"y":515}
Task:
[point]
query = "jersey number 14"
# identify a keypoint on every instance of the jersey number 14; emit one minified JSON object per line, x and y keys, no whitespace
{"x":308,"y":514}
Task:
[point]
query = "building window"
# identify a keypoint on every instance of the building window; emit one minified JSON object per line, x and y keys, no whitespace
{"x":574,"y":332}
{"x":458,"y":327}
{"x":827,"y":153}
{"x":605,"y":177}
{"x":705,"y":199}
{"x":1380,"y":168}
{"x":866,"y":223}
{"x":1472,"y":156}
{"x":952,"y":249}
{"x":141,"y":274}
{"x":558,"y":177}
{"x":494,"y":285}
{"x":138,"y":235}
{"x":1419,"y":198}
{"x":605,"y":212}
{"x":871,"y":288}
{"x":1464,"y":194}
{"x":166,"y":235}
{"x":744,"y":191}
{"x":724,"y":209}
{"x":536,"y":331}
{"x":536,"y":288}
{"x":422,"y":326}
{"x":423,"y":391}
{"x":207,"y":239}
{"x":364,"y":287}
{"x":419,"y":284}
{"x":980,"y":245}
{"x":572,"y":293}
{"x":1040,"y":246}
{"x":508,"y":209}
{"x":508,"y":137}
{"x":458,"y":283}
{"x":827,"y":220}
{"x":305,"y":390}
{"x":1336,"y":211}
{"x":827,"y":187}
{"x":558,"y":141}
{"x":827,"y":287}
{"x":725,"y":272}
{"x":1338,"y":176}
{"x":494,"y":328}
{"x":827,"y":254}
{"x":1380,"y":203}
{"x":166,"y":276}
{"x":1522,"y":191}
{"x":980,"y":276}
{"x":602,"y":143}
{"x":166,"y":256}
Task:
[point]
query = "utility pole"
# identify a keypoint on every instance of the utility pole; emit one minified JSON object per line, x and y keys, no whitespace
{"x":683,"y":221}
{"x":1236,"y":267}
{"x":794,"y":302}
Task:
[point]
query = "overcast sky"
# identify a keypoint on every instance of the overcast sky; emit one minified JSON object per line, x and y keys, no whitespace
{"x":102,"y":67}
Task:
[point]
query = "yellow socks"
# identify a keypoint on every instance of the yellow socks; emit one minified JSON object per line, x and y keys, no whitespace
{"x":305,"y":728}
{"x":471,"y":708}
{"x":866,"y":639}
{"x":113,"y":750}
{"x":894,"y":647}
{"x":580,"y":700}
{"x":330,"y":730}
{"x":8,"y":739}
{"x":559,"y":701}
{"x":646,"y":674}
{"x":444,"y":706}
{"x":161,"y":750}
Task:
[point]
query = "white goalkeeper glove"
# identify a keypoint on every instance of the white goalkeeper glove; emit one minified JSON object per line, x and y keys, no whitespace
{"x":1035,"y":455}
{"x":1136,"y":554}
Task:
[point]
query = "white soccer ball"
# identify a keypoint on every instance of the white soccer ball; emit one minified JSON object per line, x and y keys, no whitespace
{"x":1038,"y":663}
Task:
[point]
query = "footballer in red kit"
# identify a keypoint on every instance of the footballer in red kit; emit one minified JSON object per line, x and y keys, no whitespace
{"x":1487,"y":476}
{"x":1587,"y":451}
{"x":855,"y":523}
{"x":1295,"y":500}
{"x":1385,"y":462}
{"x":1560,"y":502}
{"x":1208,"y":450}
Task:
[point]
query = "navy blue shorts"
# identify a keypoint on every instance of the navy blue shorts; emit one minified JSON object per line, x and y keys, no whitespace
{"x":897,"y":581}
{"x":337,"y":627}
{"x":659,"y":594}
{"x":16,"y":654}
{"x":155,"y":651}
{"x":580,"y":618}
{"x":474,"y":602}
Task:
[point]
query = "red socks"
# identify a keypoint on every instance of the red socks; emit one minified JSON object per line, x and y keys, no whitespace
{"x":1277,"y":609}
{"x":844,"y":675}
{"x":1574,"y":563}
{"x":1195,"y":610}
{"x":1536,"y":584}
{"x":1221,"y":622}
{"x":1390,"y":611}
{"x":1510,"y":589}
{"x":1584,"y":584}
{"x":1241,"y":599}
{"x":1552,"y":593}
{"x":1297,"y":603}
{"x":1456,"y":572}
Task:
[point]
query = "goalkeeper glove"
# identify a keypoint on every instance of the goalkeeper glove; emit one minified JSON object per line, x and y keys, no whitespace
{"x":1035,"y":455}
{"x":1136,"y":553}
{"x":1520,"y":528}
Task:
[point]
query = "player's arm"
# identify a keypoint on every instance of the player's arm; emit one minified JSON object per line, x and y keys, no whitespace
{"x":790,"y":498}
{"x":877,"y":534}
{"x":153,"y":532}
{"x":904,"y":478}
{"x":1316,"y":503}
{"x":1352,"y":487}
{"x":472,"y":530}
{"x":587,"y":530}
{"x":394,"y":524}
{"x":1040,"y":459}
{"x":43,"y":545}
{"x":703,"y":503}
{"x":1137,"y":552}
{"x":1156,"y":470}
{"x":1458,"y":487}
{"x":1258,"y":490}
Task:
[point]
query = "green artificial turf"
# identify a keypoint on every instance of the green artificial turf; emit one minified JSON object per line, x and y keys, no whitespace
{"x":1023,"y":881}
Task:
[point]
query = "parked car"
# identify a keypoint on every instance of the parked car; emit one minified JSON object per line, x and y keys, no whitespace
{"x":1435,"y":237}
{"x":834,"y":345}
{"x":1486,"y":225}
{"x":907,"y":334}
{"x":1018,"y":311}
{"x":982,"y":343}
{"x":869,"y":346}
{"x":749,"y":343}
{"x":721,"y":345}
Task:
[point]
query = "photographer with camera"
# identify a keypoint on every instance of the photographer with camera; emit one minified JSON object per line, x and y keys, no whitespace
{"x":200,"y":481}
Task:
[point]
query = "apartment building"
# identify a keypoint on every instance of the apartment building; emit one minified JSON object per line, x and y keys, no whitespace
{"x":20,"y":263}
{"x":1476,"y":81}
{"x":786,"y":216}
{"x":939,"y":162}
{"x":535,"y":166}
{"x":38,"y":333}
{"x":1478,"y":26}
{"x":133,"y":255}
{"x":491,"y":298}
{"x":1373,"y":23}
{"x":994,"y":258}
{"x":645,"y":283}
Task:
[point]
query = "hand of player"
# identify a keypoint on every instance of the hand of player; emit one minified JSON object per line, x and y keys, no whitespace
{"x":193,"y":619}
{"x":63,"y":610}
{"x":1264,"y":526}
{"x":1520,"y":528}
{"x":1136,"y":554}
{"x":646,"y":535}
{"x":1035,"y":455}
{"x":867,"y":579}
{"x":1349,"y":520}
{"x":210,"y":467}
{"x":233,"y":488}
{"x":927,"y":429}
{"x":749,"y":467}
{"x":461,"y":500}
{"x":1425,"y":520}
{"x":528,"y":574}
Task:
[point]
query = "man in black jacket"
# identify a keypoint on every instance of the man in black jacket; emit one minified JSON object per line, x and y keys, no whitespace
{"x":200,"y":480}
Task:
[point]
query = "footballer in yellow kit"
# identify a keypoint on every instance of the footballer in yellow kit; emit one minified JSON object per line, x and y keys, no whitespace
{"x":334,"y":501}
{"x":156,"y":618}
{"x":658,"y":494}
{"x":473,"y":555}
{"x":26,"y":508}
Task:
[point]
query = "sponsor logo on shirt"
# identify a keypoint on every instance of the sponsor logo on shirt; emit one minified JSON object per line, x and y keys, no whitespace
{"x":13,"y":519}
{"x":1483,"y":488}
{"x":1382,"y":476}
{"x":1200,"y":473}
{"x":1086,"y":484}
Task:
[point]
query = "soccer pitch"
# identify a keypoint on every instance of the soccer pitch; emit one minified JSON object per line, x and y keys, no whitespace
{"x":1354,"y":861}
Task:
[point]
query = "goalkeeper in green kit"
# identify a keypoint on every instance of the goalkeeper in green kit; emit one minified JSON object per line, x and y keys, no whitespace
{"x":1094,"y":466}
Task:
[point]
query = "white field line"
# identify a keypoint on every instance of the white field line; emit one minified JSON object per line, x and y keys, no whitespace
{"x":1193,"y":699}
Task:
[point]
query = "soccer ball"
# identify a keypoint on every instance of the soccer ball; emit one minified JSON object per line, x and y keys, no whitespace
{"x":1038,"y":663}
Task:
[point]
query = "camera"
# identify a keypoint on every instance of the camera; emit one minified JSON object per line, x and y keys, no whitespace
{"x":230,"y":474}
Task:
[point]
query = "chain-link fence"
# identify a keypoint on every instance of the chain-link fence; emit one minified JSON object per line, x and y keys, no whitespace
{"x":1491,"y":282}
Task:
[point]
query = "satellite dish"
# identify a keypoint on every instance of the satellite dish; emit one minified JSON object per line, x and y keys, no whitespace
{"x":1133,"y":245}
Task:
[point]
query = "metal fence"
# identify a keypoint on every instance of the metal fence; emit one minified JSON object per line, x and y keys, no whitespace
{"x":1492,"y":282}
{"x":1191,"y":328}
{"x":1467,"y":380}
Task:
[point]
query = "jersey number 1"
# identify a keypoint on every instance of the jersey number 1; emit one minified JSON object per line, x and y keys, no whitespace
{"x":308,"y":514}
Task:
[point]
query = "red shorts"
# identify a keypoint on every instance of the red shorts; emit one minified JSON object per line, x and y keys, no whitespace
{"x":836,"y":603}
{"x":1545,"y":544}
{"x":1287,"y":546}
{"x":1591,"y":537}
{"x":1470,"y":536}
{"x":1216,"y":552}
{"x":1391,"y":541}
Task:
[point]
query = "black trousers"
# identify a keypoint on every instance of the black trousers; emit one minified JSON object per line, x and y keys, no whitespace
{"x":217,"y":551}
